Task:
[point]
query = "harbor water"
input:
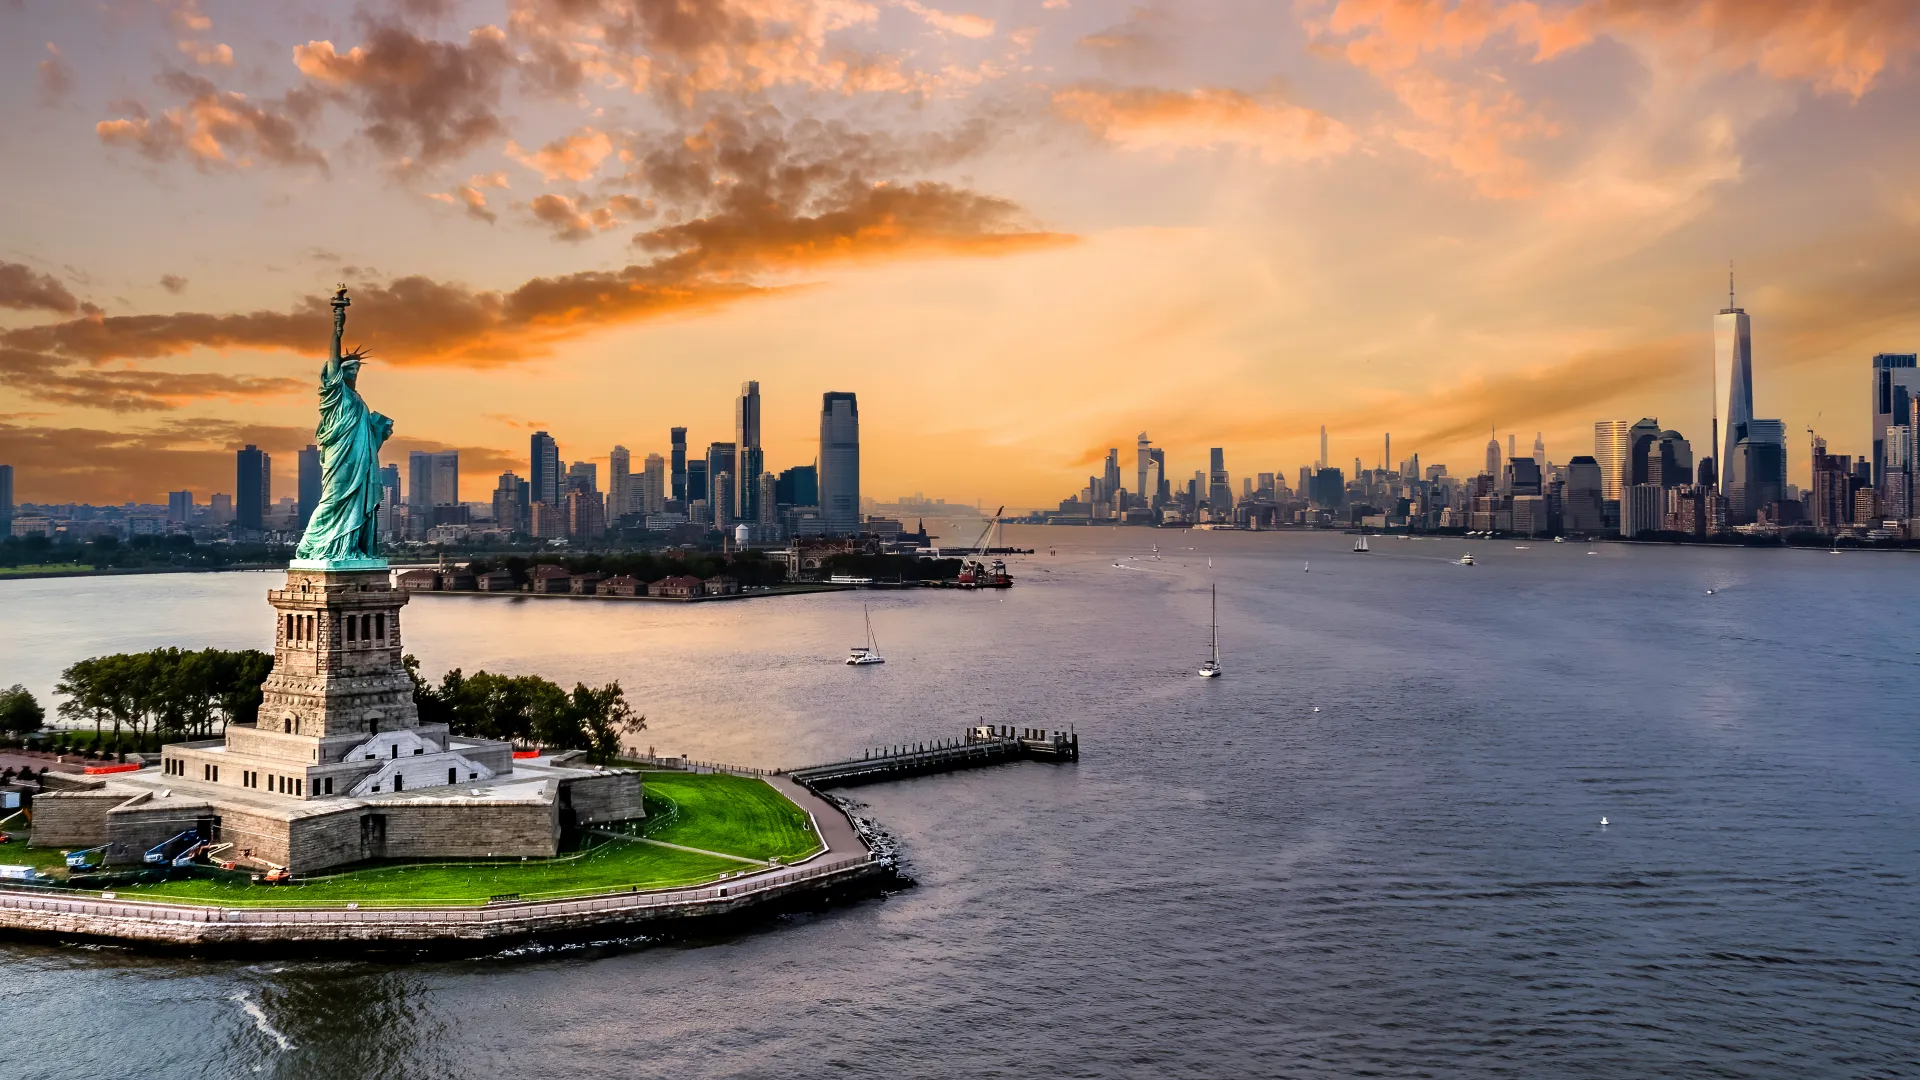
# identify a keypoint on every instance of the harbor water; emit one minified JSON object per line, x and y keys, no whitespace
{"x":1372,"y":848}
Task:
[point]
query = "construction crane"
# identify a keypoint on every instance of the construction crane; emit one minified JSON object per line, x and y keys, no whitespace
{"x":988,"y":531}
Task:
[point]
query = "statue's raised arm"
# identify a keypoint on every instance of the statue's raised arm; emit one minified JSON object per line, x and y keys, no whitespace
{"x":340,"y":305}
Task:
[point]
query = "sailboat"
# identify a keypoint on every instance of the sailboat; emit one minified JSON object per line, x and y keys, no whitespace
{"x":1211,"y":669}
{"x":1360,"y":546}
{"x":870,"y":652}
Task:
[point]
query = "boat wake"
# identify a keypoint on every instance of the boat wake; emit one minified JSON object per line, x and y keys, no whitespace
{"x":260,"y":1021}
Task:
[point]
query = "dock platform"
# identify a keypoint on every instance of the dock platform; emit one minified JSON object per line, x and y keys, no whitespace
{"x":983,"y":745}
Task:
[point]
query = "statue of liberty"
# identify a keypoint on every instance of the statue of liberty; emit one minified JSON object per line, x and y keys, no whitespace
{"x":344,"y":532}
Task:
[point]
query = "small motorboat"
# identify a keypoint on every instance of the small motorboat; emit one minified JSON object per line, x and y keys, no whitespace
{"x":1603,"y":823}
{"x":1466,"y":559}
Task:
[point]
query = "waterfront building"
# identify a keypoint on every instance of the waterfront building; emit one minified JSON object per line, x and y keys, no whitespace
{"x":1896,"y":487}
{"x":1611,"y":446}
{"x":653,"y":485}
{"x":749,"y":459}
{"x":1530,"y":513}
{"x":1584,"y":507}
{"x":179,"y":506}
{"x":544,"y":469}
{"x":1830,"y":501}
{"x":1687,"y":510}
{"x":512,"y":509}
{"x":840,"y":462}
{"x":586,"y":515}
{"x":253,"y":483}
{"x":678,"y":437}
{"x":722,"y":500}
{"x":622,"y":499}
{"x":1643,"y":509}
{"x":308,"y":488}
{"x":768,"y":500}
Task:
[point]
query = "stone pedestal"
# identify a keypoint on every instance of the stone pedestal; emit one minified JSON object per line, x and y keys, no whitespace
{"x":337,"y":668}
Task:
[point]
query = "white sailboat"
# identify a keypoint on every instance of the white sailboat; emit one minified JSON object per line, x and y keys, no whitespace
{"x":1360,"y":546}
{"x":1211,"y":669}
{"x":870,"y":652}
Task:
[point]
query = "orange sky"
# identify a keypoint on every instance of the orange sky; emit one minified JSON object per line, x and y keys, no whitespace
{"x":1021,"y":232}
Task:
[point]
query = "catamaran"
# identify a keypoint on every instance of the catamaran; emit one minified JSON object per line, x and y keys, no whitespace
{"x":870,"y":652}
{"x":1211,"y":669}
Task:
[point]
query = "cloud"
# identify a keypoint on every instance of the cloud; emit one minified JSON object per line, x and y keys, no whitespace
{"x":206,"y":54}
{"x":421,"y":102}
{"x":684,"y":50}
{"x":572,"y":157}
{"x":218,"y":128}
{"x":1168,"y":120}
{"x":1144,"y":40}
{"x":471,"y":198}
{"x":968,"y":26}
{"x":22,"y":289}
{"x":573,"y":218}
{"x":124,"y":389}
{"x":55,"y":80}
{"x":173,"y":283}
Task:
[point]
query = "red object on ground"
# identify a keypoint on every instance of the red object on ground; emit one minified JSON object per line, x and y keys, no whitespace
{"x":95,"y":770}
{"x":526,"y":753}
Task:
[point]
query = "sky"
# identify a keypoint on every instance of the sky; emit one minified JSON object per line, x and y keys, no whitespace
{"x":1021,"y":232}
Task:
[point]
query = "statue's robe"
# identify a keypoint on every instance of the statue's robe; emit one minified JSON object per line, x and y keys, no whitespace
{"x":346,"y":524}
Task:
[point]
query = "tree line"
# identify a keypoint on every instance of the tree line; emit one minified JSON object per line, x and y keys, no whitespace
{"x":144,"y":551}
{"x":528,"y":710}
{"x":169,"y":692}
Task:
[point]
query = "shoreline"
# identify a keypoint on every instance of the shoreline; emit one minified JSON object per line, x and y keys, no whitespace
{"x":845,"y":870}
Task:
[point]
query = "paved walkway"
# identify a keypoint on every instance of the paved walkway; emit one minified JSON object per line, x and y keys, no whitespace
{"x":842,"y":842}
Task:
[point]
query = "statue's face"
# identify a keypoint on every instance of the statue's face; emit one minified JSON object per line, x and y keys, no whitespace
{"x":351,"y":372}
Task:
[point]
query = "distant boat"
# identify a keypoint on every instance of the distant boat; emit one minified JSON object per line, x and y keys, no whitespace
{"x":1360,"y":546}
{"x":1523,"y":547}
{"x":1603,"y":823}
{"x":1211,"y":669}
{"x":870,"y":652}
{"x":1307,"y":569}
{"x":1466,"y":559}
{"x":1559,"y":539}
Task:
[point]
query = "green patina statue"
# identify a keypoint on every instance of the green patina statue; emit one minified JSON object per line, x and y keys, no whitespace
{"x":344,"y":532}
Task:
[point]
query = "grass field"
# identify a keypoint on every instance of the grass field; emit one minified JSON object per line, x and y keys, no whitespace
{"x":43,"y":568}
{"x":738,"y":815}
{"x":727,"y":814}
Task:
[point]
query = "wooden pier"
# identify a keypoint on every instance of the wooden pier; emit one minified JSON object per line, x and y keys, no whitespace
{"x":983,"y":745}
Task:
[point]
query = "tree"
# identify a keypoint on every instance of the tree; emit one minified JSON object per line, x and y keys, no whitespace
{"x":599,"y":719}
{"x":20,"y":714}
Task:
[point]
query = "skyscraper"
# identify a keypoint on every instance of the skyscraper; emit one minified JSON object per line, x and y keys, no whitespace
{"x":798,"y":486}
{"x":679,"y":437}
{"x":653,"y":485}
{"x":1143,"y":456}
{"x":1611,"y":444}
{"x":253,"y":487}
{"x":309,"y":489}
{"x":512,"y":504}
{"x":749,"y":458}
{"x":721,"y":488}
{"x":840,"y":462}
{"x":621,"y":497}
{"x":584,"y":476}
{"x":1583,"y":507}
{"x":543,"y":476}
{"x":721,"y":458}
{"x":1111,"y":474}
{"x":1322,"y":463}
{"x":433,"y":479}
{"x":1640,"y":438}
{"x":1895,"y":379}
{"x":1733,"y":367}
{"x":1159,"y":492}
{"x":179,"y":506}
{"x":1493,"y":455}
{"x":1540,"y":451}
{"x":1219,"y":487}
{"x":697,"y":487}
{"x":768,"y":500}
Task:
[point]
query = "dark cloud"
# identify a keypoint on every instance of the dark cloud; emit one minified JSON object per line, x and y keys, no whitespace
{"x":173,"y":283}
{"x":217,"y":128}
{"x":22,"y":289}
{"x":44,"y":377}
{"x":420,"y":101}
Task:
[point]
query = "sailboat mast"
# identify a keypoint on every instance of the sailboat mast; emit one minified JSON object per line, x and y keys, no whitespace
{"x":1216,"y":624}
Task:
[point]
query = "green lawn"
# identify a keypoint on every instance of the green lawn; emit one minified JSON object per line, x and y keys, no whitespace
{"x":729,"y":814}
{"x":614,"y":865}
{"x":739,"y":815}
{"x":42,"y":568}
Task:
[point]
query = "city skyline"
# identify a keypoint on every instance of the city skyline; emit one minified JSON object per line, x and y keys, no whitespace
{"x":1180,"y":219}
